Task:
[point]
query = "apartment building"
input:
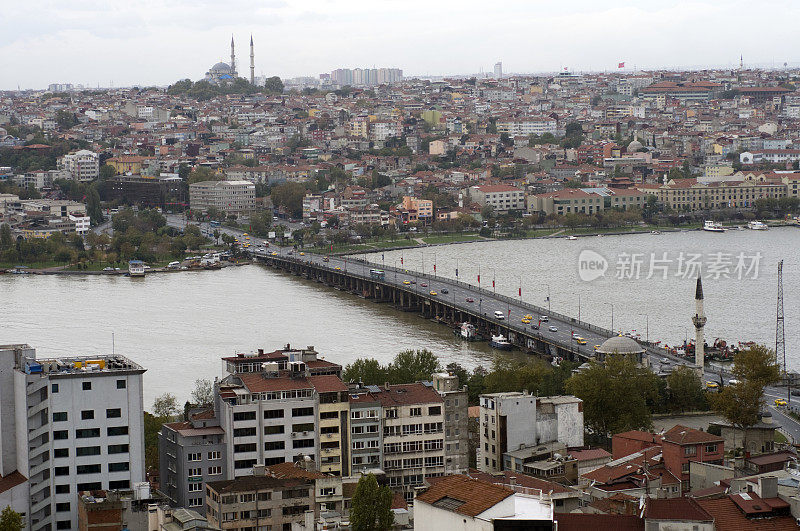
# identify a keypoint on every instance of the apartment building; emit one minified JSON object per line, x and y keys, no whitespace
{"x":83,"y":165}
{"x":365,"y":428}
{"x":258,"y":502}
{"x":414,"y":209}
{"x":413,"y":435}
{"x":456,"y":418}
{"x":681,"y":445}
{"x":229,"y":197}
{"x":332,"y":423}
{"x":191,"y":453}
{"x":585,"y":201}
{"x":514,"y":421}
{"x":501,"y":197}
{"x":69,"y":424}
{"x":690,"y":195}
{"x":527,"y":126}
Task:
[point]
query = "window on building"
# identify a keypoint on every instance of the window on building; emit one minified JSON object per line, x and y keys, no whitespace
{"x":86,"y":386}
{"x":118,"y":449}
{"x":264,"y":496}
{"x":60,"y":435}
{"x":88,"y":469}
{"x":711,"y":448}
{"x":88,"y":433}
{"x":415,"y":412}
{"x":195,"y":502}
{"x":212,"y":456}
{"x":54,"y":388}
{"x":244,"y":415}
{"x":62,"y":489}
{"x":87,"y":414}
{"x":690,"y":450}
{"x":64,"y":524}
{"x":62,"y":507}
{"x":214,"y":470}
{"x":61,"y":452}
{"x":245,"y":432}
{"x":273,"y":414}
{"x":117,"y":430}
{"x":113,"y":413}
{"x":302,"y":411}
{"x":83,"y":451}
{"x":685,"y":468}
{"x":303,"y":443}
{"x":60,"y":416}
{"x":119,"y":467}
{"x":195,"y":487}
{"x":121,"y":384}
{"x":93,"y":485}
{"x":244,"y":448}
{"x":119,"y":484}
{"x":435,"y":410}
{"x":194,"y":456}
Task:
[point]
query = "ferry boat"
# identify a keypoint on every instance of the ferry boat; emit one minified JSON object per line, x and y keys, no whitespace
{"x":500,"y":342}
{"x":468,"y":332}
{"x":713,"y":226}
{"x":757,"y":225}
{"x":136,"y":268}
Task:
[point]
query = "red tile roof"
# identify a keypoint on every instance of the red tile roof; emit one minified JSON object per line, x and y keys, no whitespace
{"x":327,"y":383}
{"x":405,"y":394}
{"x":589,"y":455}
{"x":477,"y":496}
{"x":256,"y":383}
{"x":505,"y":478}
{"x":682,"y":435}
{"x":728,"y":517}
{"x":685,"y":509}
{"x":11,"y":480}
{"x":290,"y":470}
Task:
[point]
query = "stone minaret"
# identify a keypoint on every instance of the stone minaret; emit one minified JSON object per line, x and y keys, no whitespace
{"x":233,"y":59}
{"x":252,"y":63}
{"x":699,"y":321}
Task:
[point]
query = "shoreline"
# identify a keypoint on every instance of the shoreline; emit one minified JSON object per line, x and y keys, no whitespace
{"x":121,"y":273}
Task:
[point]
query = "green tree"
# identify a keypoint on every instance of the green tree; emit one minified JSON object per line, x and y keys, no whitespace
{"x":289,"y":196}
{"x":413,"y":365}
{"x":616,"y":395}
{"x":273,"y":85}
{"x":686,"y":390}
{"x":107,"y":171}
{"x":10,"y":520}
{"x":202,"y":174}
{"x":165,"y":406}
{"x":66,"y":120}
{"x":367,"y":371}
{"x":757,"y":364}
{"x":93,"y":207}
{"x":6,"y":238}
{"x":203,"y":392}
{"x":371,"y":506}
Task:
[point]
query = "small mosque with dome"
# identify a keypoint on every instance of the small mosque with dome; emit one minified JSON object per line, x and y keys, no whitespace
{"x":222,"y":73}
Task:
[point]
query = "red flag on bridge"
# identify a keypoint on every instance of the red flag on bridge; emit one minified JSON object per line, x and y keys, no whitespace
{"x":492,"y":282}
{"x":479,"y":278}
{"x":520,"y":292}
{"x":434,"y":268}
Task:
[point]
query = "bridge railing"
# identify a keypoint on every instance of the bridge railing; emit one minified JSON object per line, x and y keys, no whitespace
{"x":480,"y":291}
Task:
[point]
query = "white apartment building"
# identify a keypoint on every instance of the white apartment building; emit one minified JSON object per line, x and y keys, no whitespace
{"x":230,"y":197}
{"x":82,"y":223}
{"x":501,"y":197}
{"x":77,"y":425}
{"x":514,"y":420}
{"x":527,"y":126}
{"x":83,"y":165}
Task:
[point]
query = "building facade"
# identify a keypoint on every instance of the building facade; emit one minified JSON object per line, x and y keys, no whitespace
{"x":83,"y":165}
{"x":229,"y":197}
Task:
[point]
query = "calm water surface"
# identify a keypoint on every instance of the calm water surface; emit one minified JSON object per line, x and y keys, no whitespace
{"x":178,"y":326}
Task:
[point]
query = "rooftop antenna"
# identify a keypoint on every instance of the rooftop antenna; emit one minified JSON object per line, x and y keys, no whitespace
{"x":113,"y":350}
{"x":780,"y":339}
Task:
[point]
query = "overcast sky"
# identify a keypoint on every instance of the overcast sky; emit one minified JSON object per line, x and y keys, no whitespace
{"x":148,"y":42}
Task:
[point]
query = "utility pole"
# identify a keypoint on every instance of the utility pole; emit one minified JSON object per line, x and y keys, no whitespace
{"x":780,"y":339}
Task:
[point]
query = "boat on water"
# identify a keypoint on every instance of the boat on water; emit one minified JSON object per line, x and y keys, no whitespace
{"x":500,"y":342}
{"x":572,"y":238}
{"x":468,"y":332}
{"x":757,"y":225}
{"x":655,"y":232}
{"x":136,"y":268}
{"x":713,"y":226}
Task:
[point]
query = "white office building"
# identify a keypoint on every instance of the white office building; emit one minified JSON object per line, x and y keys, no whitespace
{"x":69,"y":425}
{"x":83,"y":165}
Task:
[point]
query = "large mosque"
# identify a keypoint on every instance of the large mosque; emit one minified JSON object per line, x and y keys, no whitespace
{"x":222,"y":73}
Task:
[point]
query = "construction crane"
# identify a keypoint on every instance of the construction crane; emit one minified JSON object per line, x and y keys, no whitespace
{"x":780,"y":339}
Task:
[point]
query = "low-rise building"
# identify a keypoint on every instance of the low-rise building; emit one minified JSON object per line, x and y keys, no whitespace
{"x":228,"y":197}
{"x":83,"y":165}
{"x":501,"y":197}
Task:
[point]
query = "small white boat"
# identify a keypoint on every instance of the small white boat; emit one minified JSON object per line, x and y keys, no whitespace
{"x":713,"y":226}
{"x":500,"y":342}
{"x":572,"y":238}
{"x":468,"y":332}
{"x":757,"y":225}
{"x":655,"y":232}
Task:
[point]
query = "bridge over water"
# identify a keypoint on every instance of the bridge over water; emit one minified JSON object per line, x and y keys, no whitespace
{"x":412,"y":291}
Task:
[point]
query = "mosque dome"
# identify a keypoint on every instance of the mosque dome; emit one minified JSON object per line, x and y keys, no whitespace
{"x":221,"y":68}
{"x":634,"y":146}
{"x":620,"y":345}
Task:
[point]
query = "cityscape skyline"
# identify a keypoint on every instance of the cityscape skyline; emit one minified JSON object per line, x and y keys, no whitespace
{"x":85,"y":45}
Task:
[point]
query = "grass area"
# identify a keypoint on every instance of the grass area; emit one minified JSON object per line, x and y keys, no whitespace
{"x":31,"y":265}
{"x":780,"y":438}
{"x":451,"y":238}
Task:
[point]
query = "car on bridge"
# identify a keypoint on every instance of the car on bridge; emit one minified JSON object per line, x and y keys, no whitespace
{"x":433,"y":293}
{"x":525,"y":320}
{"x":470,"y":299}
{"x":553,"y":329}
{"x":444,"y":291}
{"x":544,"y":318}
{"x":302,"y":253}
{"x":407,"y":282}
{"x":424,"y":284}
{"x":581,"y":341}
{"x":712,"y":385}
{"x":534,"y":327}
{"x":325,"y":259}
{"x":780,"y":402}
{"x":337,"y":268}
